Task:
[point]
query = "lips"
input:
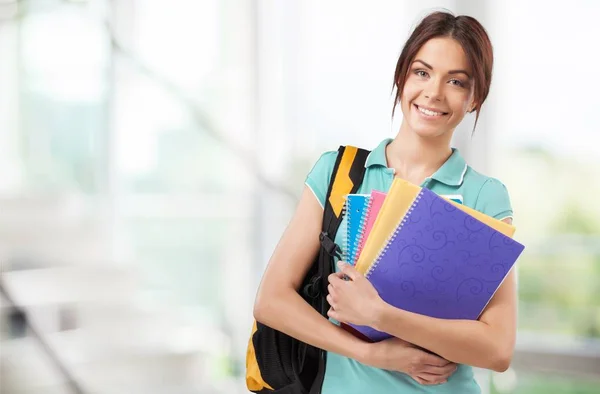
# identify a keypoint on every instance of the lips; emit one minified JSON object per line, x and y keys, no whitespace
{"x":430,"y":111}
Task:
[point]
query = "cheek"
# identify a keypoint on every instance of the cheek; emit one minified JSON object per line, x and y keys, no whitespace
{"x":409,"y":94}
{"x":412,"y":85}
{"x":458,"y":102}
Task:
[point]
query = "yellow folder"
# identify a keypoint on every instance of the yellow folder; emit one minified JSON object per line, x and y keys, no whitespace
{"x":398,"y":200}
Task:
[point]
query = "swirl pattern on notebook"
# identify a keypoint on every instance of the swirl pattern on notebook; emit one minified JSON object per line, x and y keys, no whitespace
{"x":441,"y":262}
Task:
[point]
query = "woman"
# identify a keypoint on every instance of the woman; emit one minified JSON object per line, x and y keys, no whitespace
{"x":444,"y":71}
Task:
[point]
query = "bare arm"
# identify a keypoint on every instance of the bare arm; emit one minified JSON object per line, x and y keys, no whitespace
{"x":487,"y":343}
{"x":278,"y":304}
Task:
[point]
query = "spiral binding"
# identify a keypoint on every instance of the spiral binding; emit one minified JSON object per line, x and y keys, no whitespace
{"x":394,"y":234}
{"x":346,"y":209}
{"x":361,"y":229}
{"x":348,"y":241}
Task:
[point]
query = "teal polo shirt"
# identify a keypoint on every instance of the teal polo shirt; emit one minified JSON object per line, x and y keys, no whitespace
{"x":454,"y":179}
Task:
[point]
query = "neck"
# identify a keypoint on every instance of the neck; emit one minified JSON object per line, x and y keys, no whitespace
{"x":415,"y":158}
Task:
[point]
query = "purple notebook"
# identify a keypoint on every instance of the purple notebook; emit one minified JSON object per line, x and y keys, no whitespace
{"x":440,"y":262}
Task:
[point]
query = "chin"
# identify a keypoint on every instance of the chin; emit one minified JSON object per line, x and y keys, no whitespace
{"x":428,"y":132}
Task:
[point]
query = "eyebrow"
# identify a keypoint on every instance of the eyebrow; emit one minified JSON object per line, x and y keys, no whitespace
{"x":449,"y":72}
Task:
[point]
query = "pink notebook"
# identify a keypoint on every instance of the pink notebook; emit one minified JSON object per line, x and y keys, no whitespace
{"x":375,"y":203}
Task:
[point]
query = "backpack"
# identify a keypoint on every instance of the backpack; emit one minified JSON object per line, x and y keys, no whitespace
{"x":275,"y":362}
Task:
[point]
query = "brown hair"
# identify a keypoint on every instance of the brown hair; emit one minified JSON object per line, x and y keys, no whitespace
{"x":469,"y":33}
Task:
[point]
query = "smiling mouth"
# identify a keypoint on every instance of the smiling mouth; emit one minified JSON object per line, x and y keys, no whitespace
{"x":428,"y":112}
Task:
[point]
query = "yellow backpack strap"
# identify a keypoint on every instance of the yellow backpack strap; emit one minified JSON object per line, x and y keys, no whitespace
{"x":341,"y":184}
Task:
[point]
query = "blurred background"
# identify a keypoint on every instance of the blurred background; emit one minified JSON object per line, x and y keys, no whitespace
{"x":152,"y":152}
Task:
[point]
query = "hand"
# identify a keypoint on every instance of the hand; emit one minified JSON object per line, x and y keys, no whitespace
{"x":352,"y":298}
{"x":395,"y":354}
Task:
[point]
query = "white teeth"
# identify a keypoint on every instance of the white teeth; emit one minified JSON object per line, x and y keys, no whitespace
{"x":428,"y":112}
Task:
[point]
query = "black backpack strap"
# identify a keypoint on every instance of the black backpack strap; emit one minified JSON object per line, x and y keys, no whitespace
{"x":346,"y":178}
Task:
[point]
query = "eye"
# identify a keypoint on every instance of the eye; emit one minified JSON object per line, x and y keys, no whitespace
{"x":457,"y":82}
{"x":421,"y":73}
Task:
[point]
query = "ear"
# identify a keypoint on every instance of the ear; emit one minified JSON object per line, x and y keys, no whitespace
{"x":472,"y":107}
{"x":472,"y":104}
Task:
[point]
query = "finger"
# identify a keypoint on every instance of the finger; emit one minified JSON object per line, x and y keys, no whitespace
{"x":333,"y":278}
{"x":330,"y":300}
{"x":342,"y":276}
{"x":422,"y":381}
{"x":333,"y":314}
{"x":337,"y":280}
{"x":430,"y":359}
{"x":348,"y":270}
{"x":446,"y":370}
{"x":339,"y":274}
{"x":432,"y":379}
{"x":451,"y":368}
{"x":331,"y":289}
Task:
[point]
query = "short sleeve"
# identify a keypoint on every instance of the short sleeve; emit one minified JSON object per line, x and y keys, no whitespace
{"x":493,"y":200}
{"x":318,"y":178}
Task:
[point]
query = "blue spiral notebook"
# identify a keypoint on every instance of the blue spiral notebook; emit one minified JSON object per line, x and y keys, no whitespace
{"x":440,"y":262}
{"x":356,"y":210}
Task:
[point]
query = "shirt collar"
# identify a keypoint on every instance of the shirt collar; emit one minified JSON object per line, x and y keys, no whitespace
{"x":451,"y":173}
{"x":377,"y":155}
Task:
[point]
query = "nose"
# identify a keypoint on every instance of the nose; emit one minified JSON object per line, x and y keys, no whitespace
{"x":433,"y":90}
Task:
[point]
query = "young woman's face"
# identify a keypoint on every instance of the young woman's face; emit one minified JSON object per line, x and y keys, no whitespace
{"x":439,"y":89}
